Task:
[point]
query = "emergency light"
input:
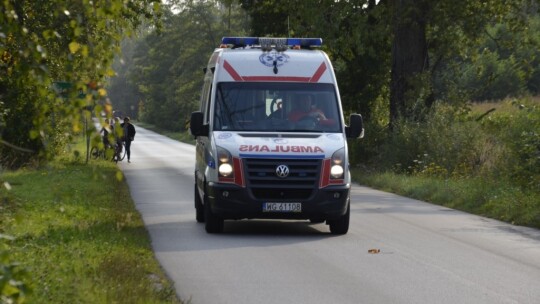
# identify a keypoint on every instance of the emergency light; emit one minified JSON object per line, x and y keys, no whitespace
{"x":265,"y":41}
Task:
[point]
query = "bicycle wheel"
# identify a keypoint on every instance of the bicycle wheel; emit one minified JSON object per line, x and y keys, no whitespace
{"x":122,"y":153}
{"x":94,"y":153}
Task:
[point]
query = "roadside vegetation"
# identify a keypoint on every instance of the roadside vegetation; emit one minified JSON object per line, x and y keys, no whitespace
{"x":74,"y":236}
{"x":484,"y":160}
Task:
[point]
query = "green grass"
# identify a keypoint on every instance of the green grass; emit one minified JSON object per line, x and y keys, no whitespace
{"x":495,"y":199}
{"x":79,"y":236}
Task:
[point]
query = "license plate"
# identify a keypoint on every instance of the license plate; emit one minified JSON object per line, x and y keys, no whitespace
{"x":282,"y":207}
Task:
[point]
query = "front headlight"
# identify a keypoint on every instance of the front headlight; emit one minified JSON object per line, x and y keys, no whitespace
{"x":225,"y":168}
{"x":337,"y":162}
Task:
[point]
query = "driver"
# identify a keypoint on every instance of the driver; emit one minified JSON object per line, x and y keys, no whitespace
{"x":306,"y":109}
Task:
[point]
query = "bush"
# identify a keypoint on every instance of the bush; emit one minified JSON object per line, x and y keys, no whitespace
{"x":518,"y":131}
{"x":448,"y":143}
{"x":455,"y":143}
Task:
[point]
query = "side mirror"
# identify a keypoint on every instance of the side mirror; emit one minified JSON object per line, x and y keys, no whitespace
{"x":196,"y":126}
{"x":356,"y":128}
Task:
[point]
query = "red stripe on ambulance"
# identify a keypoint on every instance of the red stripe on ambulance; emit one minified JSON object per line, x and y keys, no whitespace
{"x":228,"y":67}
{"x":318,"y":73}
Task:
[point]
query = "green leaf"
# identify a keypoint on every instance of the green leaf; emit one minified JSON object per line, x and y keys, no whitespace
{"x":84,"y":51}
{"x":74,"y":47}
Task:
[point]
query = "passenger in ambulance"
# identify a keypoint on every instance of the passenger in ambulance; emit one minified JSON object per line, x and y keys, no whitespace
{"x":307,"y":110}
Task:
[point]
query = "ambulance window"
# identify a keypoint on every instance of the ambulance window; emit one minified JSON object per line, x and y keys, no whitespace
{"x":266,"y":106}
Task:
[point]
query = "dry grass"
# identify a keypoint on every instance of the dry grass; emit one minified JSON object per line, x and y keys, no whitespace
{"x":506,"y":105}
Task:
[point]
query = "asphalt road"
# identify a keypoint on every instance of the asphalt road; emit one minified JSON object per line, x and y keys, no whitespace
{"x":428,"y":253}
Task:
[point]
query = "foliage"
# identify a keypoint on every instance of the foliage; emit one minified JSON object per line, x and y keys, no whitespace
{"x":519,"y":132}
{"x":503,"y":63}
{"x":44,"y":42}
{"x":454,"y":142}
{"x":498,"y":151}
{"x":81,"y":223}
{"x":14,"y":286}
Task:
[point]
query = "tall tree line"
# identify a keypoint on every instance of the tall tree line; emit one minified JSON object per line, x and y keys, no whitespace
{"x":393,"y":59}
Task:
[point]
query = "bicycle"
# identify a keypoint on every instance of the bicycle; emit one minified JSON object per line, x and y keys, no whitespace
{"x":117,"y":151}
{"x":120,"y":151}
{"x":97,"y":153}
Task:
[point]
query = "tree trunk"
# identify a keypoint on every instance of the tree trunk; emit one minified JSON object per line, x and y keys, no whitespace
{"x":409,"y":53}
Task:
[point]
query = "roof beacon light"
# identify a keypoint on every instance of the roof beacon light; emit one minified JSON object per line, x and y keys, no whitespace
{"x":267,"y":43}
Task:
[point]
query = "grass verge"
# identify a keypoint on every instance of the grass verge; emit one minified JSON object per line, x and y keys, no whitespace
{"x":79,"y":237}
{"x":494,"y":199}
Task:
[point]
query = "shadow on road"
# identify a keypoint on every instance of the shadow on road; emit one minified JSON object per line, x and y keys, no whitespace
{"x":191,"y":236}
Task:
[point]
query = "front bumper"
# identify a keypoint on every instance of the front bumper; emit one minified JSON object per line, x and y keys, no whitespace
{"x":234,"y":202}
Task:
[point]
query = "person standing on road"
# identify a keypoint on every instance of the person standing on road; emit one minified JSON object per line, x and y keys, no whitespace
{"x":129,"y":135}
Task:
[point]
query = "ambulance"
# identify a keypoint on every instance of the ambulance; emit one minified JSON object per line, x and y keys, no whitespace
{"x":271,"y":140}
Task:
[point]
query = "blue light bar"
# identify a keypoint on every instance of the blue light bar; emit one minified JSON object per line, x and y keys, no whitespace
{"x":304,"y":41}
{"x":245,"y":41}
{"x":240,"y":41}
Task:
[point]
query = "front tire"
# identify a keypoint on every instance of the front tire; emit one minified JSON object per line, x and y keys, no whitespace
{"x":213,"y":223}
{"x":199,"y":207}
{"x":340,"y":226}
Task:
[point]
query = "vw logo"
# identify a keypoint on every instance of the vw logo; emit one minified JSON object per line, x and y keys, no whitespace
{"x":282,"y":171}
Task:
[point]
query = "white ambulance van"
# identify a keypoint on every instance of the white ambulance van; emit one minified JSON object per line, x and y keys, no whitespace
{"x":270,"y":135}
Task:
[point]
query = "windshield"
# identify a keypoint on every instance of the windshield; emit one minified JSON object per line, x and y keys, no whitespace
{"x":272,"y":106}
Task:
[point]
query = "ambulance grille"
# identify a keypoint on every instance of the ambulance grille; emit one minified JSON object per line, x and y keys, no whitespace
{"x":266,"y":185}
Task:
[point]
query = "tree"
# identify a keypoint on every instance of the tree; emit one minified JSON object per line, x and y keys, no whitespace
{"x":409,"y":53}
{"x":42,"y":42}
{"x":442,"y":30}
{"x":167,"y":66}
